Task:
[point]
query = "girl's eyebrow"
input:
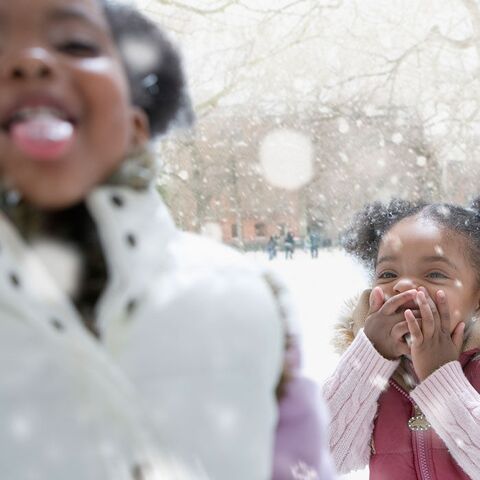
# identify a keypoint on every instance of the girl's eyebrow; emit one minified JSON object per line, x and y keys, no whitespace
{"x":387,"y":258}
{"x":427,"y":259}
{"x":439,"y":258}
{"x":64,"y":14}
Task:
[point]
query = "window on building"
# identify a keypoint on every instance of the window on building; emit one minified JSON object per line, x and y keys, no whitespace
{"x":260,"y":229}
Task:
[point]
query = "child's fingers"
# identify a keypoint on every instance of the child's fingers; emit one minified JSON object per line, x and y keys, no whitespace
{"x":433,"y":307}
{"x":443,"y":311}
{"x":376,"y":300}
{"x":398,"y":333}
{"x":457,"y":336}
{"x":395,"y":302}
{"x":428,"y":320}
{"x":414,"y":328}
{"x":400,"y":329}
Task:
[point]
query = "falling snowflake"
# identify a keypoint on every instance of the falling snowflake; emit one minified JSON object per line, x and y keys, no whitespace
{"x":286,"y":157}
{"x":380,"y":382}
{"x":421,"y":161}
{"x":139,"y":54}
{"x":183,"y":174}
{"x":343,"y":126}
{"x":397,"y":138}
{"x":302,"y":471}
{"x":444,"y":211}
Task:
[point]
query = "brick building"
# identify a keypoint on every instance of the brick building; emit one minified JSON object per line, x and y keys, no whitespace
{"x":214,"y":176}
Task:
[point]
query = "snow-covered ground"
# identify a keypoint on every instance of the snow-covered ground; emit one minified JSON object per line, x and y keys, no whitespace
{"x":319,"y":289}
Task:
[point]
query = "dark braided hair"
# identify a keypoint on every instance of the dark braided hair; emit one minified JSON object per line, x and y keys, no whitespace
{"x":153,"y":67}
{"x":370,"y":225}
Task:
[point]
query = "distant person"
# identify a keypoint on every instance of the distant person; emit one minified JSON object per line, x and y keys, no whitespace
{"x":289,"y":245}
{"x":272,"y":248}
{"x":405,"y":395}
{"x":314,"y":240}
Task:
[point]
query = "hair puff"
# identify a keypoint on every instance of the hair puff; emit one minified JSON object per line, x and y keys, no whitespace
{"x":153,"y":67}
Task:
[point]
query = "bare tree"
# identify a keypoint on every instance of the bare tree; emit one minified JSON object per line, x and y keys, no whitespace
{"x":413,"y":64}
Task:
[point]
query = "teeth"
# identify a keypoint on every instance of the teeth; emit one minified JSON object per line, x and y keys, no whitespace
{"x":37,"y":111}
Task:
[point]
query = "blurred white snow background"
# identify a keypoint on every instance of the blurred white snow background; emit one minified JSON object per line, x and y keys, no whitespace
{"x":319,"y":289}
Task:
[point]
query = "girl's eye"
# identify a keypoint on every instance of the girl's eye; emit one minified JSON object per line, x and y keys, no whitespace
{"x":79,"y":48}
{"x":437,"y":275}
{"x":386,"y":275}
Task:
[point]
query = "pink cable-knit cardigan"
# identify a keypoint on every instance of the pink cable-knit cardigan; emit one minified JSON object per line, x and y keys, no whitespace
{"x":448,"y":400}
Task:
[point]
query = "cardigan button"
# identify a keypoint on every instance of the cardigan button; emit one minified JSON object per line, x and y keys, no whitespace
{"x":117,"y":200}
{"x":14,"y":280}
{"x":139,"y":472}
{"x":57,"y":324}
{"x":131,"y":306}
{"x":131,"y":240}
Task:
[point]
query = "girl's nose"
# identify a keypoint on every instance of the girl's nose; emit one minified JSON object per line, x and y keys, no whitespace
{"x":404,"y":284}
{"x":33,"y":63}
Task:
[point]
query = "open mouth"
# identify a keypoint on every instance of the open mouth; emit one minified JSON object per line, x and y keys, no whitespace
{"x":40,"y":129}
{"x":27,"y":114}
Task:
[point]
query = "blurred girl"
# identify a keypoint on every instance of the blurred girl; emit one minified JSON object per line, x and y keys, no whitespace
{"x":128,"y":350}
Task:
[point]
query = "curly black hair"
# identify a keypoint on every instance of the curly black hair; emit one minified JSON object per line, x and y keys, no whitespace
{"x":369,"y":226}
{"x":154,"y":68}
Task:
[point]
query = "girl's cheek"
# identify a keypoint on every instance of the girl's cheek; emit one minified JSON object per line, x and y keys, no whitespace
{"x":105,"y":70}
{"x":456,"y":316}
{"x":101,"y":86}
{"x":3,"y":148}
{"x":96,"y":65}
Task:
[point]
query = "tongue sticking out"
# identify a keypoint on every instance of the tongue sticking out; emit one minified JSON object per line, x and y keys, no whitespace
{"x":43,"y":137}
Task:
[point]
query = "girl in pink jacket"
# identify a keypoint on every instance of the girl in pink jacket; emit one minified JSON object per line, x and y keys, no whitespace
{"x":404,"y":398}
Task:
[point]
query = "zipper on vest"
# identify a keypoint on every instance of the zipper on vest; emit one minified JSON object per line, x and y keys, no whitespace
{"x":419,"y":435}
{"x":422,"y":455}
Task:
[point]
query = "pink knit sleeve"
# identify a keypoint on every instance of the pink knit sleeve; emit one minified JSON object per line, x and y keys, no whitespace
{"x":351,"y":394}
{"x":452,"y":406}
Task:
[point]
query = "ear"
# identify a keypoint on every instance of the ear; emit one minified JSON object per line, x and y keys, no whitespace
{"x":140,"y":128}
{"x":477,"y":302}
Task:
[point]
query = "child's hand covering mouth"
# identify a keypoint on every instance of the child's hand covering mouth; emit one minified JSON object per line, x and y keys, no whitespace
{"x":410,"y":305}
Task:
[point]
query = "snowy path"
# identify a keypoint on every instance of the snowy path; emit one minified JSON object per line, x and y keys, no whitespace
{"x":319,"y":289}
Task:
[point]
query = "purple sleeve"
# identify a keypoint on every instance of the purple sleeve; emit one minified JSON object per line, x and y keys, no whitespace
{"x":301,"y":445}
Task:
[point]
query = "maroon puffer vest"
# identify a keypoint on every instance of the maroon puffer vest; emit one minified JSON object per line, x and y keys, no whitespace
{"x":399,"y":453}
